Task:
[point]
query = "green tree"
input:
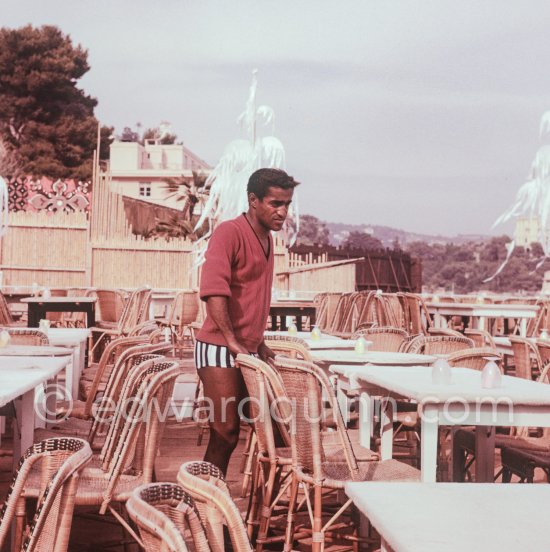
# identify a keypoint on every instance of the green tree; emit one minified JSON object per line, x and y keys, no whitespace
{"x":44,"y":117}
{"x":312,"y":231}
{"x":362,"y":241}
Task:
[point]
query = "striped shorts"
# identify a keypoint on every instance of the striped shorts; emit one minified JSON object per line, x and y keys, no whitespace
{"x":207,"y":354}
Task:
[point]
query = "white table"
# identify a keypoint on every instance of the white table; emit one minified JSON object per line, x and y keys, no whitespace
{"x":480,"y":312}
{"x":346,"y":382}
{"x":324,"y":342}
{"x":518,"y":402}
{"x":77,"y":340}
{"x":19,"y":376}
{"x":453,"y":517}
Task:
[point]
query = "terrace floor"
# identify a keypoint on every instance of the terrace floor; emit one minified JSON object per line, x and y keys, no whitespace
{"x":179,"y":444}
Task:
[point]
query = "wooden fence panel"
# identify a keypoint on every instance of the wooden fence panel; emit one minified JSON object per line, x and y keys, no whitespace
{"x":46,"y":248}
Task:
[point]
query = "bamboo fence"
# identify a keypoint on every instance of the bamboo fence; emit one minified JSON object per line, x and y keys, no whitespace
{"x":99,"y":250}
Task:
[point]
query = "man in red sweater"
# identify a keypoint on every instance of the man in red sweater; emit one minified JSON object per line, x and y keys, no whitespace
{"x":236,"y":285}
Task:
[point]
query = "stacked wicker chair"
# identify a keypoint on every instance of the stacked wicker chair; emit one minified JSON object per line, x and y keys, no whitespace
{"x":416,"y":318}
{"x":95,"y":376}
{"x":206,"y":484}
{"x":313,"y":470}
{"x":183,"y":312}
{"x":88,"y":419}
{"x":57,"y":463}
{"x":135,"y":313}
{"x":164,"y":513}
{"x":127,"y":458}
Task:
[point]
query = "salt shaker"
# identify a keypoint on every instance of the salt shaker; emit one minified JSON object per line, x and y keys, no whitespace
{"x":491,"y":376}
{"x":360,"y":345}
{"x":5,"y":338}
{"x":315,"y":333}
{"x":441,"y":372}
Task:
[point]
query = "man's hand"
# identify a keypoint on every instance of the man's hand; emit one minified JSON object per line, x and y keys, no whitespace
{"x":265,"y":352}
{"x":236,"y":348}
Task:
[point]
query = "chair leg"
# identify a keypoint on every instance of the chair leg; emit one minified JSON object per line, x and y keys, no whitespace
{"x":19,"y":526}
{"x":265,"y":515}
{"x":317,"y":537}
{"x":248,"y":462}
{"x":291,"y":515}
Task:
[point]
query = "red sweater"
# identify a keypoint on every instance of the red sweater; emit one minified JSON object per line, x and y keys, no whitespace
{"x":236,"y":267}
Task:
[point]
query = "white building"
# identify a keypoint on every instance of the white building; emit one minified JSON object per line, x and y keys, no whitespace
{"x":141,"y":171}
{"x":528,"y":230}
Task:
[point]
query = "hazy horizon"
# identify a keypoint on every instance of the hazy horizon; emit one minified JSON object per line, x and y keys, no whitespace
{"x":415,"y":115}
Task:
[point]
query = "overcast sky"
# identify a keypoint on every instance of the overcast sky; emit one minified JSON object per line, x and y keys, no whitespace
{"x":422,"y":115}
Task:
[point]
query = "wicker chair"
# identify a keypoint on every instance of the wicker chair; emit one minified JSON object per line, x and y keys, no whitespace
{"x":95,"y":376}
{"x":288,"y":345}
{"x":475,"y":358}
{"x":163,"y":513}
{"x":326,"y":305}
{"x":127,"y":458}
{"x":311,"y":468}
{"x":527,"y":361}
{"x":87,"y":419}
{"x":341,"y":313}
{"x":416,"y":317}
{"x":183,"y":312}
{"x":26,"y":336}
{"x":481,"y":338}
{"x":109,"y":307}
{"x":136,"y":311}
{"x":6,"y":317}
{"x":383,"y":339}
{"x":206,"y":484}
{"x":444,"y":331}
{"x":464,"y":439}
{"x":58,"y":462}
{"x":439,"y":345}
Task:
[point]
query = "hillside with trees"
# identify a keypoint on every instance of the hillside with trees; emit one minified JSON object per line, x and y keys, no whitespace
{"x":459,"y":267}
{"x":462,"y":268}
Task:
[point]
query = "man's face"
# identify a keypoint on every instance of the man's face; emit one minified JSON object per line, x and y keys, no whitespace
{"x":271,"y":211}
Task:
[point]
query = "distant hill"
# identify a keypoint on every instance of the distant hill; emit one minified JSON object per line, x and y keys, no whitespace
{"x":387,"y":235}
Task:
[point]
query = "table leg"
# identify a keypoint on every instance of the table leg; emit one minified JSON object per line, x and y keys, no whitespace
{"x":366,"y":419}
{"x":485,"y":454}
{"x":33,"y":316}
{"x":343,"y":401}
{"x":386,"y":429}
{"x":90,"y":316}
{"x":26,"y":425}
{"x":523,"y":327}
{"x":428,"y":443}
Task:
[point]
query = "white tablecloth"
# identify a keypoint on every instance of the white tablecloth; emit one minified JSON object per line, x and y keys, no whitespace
{"x":455,"y":517}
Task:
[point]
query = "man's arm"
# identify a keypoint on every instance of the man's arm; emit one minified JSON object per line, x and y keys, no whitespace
{"x":217,"y":308}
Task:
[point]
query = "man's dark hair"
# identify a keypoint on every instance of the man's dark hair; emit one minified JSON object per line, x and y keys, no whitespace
{"x":262,"y":179}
